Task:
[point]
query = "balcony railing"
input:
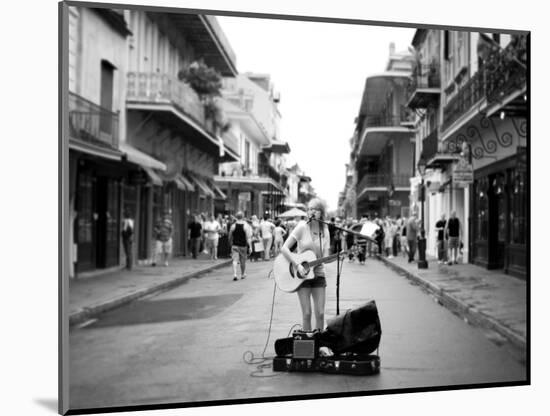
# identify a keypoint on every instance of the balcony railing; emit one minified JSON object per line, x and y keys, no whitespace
{"x":384,"y":121}
{"x":430,"y":145}
{"x":465,"y":98}
{"x":424,"y":87}
{"x":161,"y":88}
{"x":426,"y":76}
{"x":269,"y":171}
{"x":91,"y":123}
{"x":380,"y":180}
{"x":503,"y":75}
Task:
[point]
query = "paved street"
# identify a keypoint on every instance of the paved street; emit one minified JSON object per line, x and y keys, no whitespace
{"x":187,"y":344}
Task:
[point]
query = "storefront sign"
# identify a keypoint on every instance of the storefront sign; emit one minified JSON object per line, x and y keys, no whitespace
{"x":244,"y":196}
{"x":463,"y":173}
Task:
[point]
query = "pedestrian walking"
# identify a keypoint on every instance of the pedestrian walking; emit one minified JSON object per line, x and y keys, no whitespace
{"x":212,"y":236}
{"x":441,"y":249}
{"x":266,"y":232}
{"x":257,"y":245}
{"x":195,"y":234}
{"x":163,"y":238}
{"x":403,"y":238}
{"x":390,"y":231}
{"x":412,"y":236}
{"x":278,"y":237}
{"x":454,"y":231}
{"x":128,"y":238}
{"x":312,"y":235}
{"x":240,"y":239}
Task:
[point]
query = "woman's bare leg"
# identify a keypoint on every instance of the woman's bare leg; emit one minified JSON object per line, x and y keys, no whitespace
{"x":318,"y":295}
{"x":305,"y":304}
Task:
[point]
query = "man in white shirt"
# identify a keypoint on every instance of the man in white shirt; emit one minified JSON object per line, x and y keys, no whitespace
{"x":266,"y":231}
{"x":128,"y":238}
{"x":212,"y":233}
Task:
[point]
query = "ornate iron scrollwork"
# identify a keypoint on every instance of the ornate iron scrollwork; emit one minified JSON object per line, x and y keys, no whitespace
{"x":486,"y":144}
{"x":520,"y":126}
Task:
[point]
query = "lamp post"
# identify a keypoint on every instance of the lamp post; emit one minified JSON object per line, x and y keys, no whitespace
{"x":422,"y":263}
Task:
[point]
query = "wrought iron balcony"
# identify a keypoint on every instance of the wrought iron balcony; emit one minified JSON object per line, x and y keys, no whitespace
{"x":161,"y":88}
{"x":430,"y":145}
{"x":91,"y":123}
{"x":382,"y":180}
{"x":269,"y":171}
{"x":425,"y":86}
{"x":470,"y":94}
{"x":383,"y":120}
{"x":407,"y":116}
{"x":504,"y":74}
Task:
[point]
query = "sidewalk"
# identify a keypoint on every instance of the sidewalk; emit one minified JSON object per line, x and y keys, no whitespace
{"x":93,"y":295}
{"x":486,"y":298}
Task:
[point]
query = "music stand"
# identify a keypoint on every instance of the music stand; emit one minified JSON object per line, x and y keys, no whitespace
{"x":338,"y":267}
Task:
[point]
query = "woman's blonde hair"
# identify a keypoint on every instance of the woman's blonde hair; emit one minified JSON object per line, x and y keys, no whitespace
{"x":319,"y":204}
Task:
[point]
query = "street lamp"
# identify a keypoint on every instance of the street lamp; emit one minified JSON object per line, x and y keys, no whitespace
{"x":422,"y":263}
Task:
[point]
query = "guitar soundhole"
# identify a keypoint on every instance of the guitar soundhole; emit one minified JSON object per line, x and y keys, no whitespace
{"x":295,"y":273}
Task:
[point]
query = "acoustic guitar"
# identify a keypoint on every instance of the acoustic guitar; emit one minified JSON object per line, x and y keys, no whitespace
{"x":287,"y":277}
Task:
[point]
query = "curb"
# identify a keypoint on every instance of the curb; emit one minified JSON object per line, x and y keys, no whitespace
{"x":94,"y":310}
{"x":472,"y":315}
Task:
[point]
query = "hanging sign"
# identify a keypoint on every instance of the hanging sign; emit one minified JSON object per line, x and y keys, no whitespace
{"x":463,"y":173}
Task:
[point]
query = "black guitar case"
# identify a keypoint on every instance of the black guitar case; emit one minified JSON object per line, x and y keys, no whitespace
{"x":356,"y":331}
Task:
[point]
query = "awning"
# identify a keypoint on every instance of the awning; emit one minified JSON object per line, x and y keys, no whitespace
{"x":188,"y":184}
{"x":153,"y":176}
{"x":105,"y":152}
{"x":140,"y":158}
{"x":219,"y":191}
{"x":203,"y":187}
{"x":180,"y":184}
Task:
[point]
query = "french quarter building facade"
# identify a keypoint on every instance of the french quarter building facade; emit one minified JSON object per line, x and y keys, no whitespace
{"x":256,"y":184}
{"x":139,"y":139}
{"x":382,"y":155}
{"x":469,"y":91}
{"x":97,"y":67}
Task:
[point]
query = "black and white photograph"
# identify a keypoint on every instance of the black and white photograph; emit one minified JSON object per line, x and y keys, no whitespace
{"x":282,"y":209}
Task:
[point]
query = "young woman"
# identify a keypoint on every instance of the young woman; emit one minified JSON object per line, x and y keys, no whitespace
{"x":311,"y":235}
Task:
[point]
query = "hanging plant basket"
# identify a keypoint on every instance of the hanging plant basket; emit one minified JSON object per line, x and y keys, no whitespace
{"x":204,"y":80}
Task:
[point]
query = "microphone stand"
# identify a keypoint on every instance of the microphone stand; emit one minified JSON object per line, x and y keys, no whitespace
{"x":338,"y":258}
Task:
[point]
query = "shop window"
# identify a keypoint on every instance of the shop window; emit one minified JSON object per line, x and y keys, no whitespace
{"x":498,"y":189}
{"x":482,"y":211}
{"x":85,"y":208}
{"x":518,"y":207}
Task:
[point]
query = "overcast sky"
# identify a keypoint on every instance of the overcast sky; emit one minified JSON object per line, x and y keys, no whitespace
{"x":320,"y":71}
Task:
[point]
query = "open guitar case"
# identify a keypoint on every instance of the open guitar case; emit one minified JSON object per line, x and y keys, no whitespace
{"x":352,"y":337}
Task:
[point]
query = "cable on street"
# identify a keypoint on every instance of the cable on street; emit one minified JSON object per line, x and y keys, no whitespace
{"x":261,"y":362}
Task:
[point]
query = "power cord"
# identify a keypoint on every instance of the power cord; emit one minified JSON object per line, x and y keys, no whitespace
{"x":260,"y":362}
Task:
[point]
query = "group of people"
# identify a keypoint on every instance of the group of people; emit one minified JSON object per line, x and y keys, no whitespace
{"x":395,"y":236}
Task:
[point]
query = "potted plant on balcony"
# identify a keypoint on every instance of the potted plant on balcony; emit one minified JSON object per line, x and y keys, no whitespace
{"x":207,"y":83}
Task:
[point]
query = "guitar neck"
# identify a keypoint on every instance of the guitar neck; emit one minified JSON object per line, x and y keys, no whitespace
{"x":323,"y":260}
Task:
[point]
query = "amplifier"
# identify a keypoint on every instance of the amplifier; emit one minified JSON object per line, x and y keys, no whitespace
{"x":305,"y":344}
